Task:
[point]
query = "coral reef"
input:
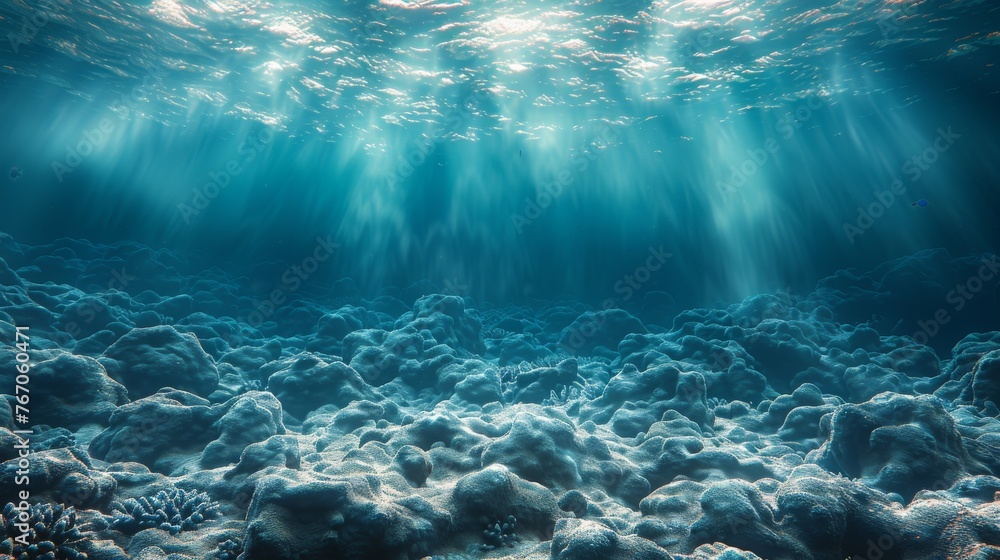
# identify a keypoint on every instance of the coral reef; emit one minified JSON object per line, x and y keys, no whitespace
{"x":414,"y":426}
{"x":173,"y":511}
{"x":51,"y":533}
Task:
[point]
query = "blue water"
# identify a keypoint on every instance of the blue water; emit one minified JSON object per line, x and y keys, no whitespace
{"x":516,"y":149}
{"x":529,"y":279}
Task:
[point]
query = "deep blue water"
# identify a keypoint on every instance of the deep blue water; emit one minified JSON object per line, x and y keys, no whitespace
{"x":642,"y":112}
{"x":534,"y":279}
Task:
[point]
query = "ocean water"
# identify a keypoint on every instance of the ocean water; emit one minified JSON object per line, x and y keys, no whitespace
{"x":518,"y":279}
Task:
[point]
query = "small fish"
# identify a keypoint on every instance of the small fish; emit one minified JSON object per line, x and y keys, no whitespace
{"x":921,"y":203}
{"x":15,"y":173}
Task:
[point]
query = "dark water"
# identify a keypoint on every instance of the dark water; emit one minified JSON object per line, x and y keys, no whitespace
{"x":635,"y":278}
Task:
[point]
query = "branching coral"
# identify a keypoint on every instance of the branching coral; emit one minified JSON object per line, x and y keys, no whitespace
{"x":52,"y":533}
{"x":501,"y":535}
{"x":174,"y":511}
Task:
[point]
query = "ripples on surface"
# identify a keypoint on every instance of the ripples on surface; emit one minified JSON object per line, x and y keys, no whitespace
{"x":314,"y":68}
{"x":682,"y":90}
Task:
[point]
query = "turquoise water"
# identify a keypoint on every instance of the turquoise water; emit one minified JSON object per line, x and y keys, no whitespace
{"x":516,"y":148}
{"x":537,"y":280}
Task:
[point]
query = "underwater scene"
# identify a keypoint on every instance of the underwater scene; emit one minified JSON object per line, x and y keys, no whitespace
{"x":507,"y":279}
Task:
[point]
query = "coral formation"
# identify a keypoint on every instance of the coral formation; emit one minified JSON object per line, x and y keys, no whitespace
{"x":173,"y":511}
{"x":421,"y":426}
{"x":50,"y":532}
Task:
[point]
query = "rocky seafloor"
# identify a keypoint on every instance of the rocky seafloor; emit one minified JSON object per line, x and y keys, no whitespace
{"x":168,"y":420}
